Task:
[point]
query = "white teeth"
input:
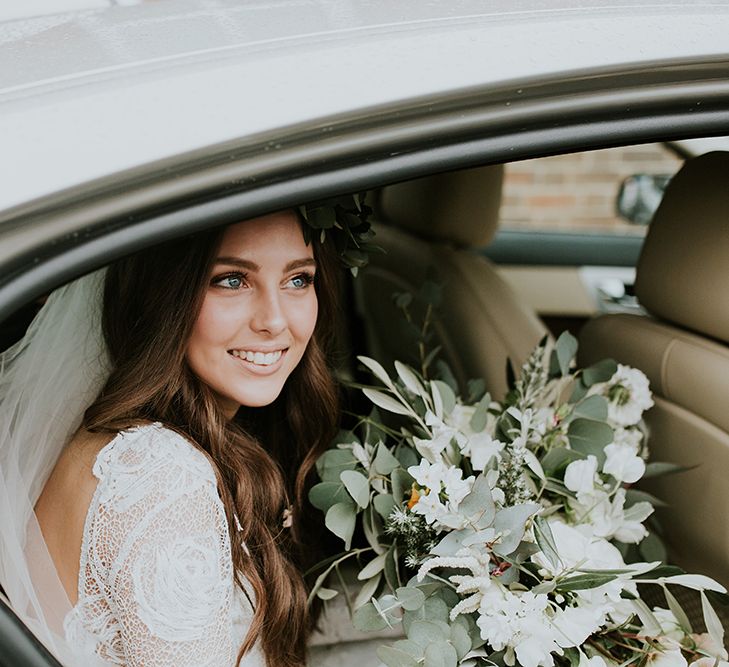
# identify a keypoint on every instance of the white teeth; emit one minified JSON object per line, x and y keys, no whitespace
{"x":258,"y":358}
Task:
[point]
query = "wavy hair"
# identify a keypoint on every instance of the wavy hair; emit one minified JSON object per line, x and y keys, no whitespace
{"x":263,"y":457}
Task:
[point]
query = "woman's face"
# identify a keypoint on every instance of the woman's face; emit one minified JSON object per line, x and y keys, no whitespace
{"x":258,"y":313}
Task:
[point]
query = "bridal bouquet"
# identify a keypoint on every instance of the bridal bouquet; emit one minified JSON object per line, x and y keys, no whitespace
{"x":497,"y":533}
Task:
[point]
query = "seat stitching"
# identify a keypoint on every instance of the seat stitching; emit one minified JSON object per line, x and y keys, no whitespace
{"x":664,"y":368}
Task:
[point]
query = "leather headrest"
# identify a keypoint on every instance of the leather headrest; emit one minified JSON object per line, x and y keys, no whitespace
{"x":683,"y":270}
{"x":460,"y":207}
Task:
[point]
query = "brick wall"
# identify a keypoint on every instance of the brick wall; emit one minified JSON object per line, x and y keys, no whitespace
{"x":578,"y":191}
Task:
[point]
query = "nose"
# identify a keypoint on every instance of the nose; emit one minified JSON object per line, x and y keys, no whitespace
{"x":268,"y":316}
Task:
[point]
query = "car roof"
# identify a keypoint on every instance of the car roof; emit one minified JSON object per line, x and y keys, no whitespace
{"x":93,"y":93}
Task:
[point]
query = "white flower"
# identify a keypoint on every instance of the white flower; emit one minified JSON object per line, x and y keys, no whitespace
{"x":363,"y":454}
{"x":430,"y":506}
{"x":579,"y":476}
{"x":519,"y":621}
{"x":482,"y":448}
{"x":594,"y":661}
{"x":460,"y":417}
{"x":576,"y":624}
{"x":456,"y":488}
{"x":669,"y":656}
{"x":577,"y":546}
{"x":608,"y":517}
{"x":623,"y":463}
{"x":708,"y":662}
{"x":437,"y":479}
{"x":670,"y":627}
{"x":628,"y":395}
{"x":629,"y":437}
{"x":704,"y":642}
{"x":427,"y":474}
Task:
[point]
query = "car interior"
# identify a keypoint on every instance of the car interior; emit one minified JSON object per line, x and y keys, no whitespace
{"x":439,"y":228}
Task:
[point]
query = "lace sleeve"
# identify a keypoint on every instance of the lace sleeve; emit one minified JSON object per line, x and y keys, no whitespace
{"x":160,"y":542}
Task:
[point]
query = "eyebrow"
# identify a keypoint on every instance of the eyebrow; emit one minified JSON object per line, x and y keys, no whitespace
{"x":252,"y":266}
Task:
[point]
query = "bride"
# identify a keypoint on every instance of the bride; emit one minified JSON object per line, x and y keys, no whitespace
{"x":161,"y":418}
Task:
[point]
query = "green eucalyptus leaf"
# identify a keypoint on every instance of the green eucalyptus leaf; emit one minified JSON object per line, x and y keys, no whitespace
{"x":634,"y":496}
{"x":375,"y":566}
{"x":384,"y":462}
{"x":357,"y":485}
{"x":376,"y":368}
{"x":698,"y":582}
{"x":444,"y":373}
{"x":565,"y":350}
{"x":660,"y":468}
{"x":325,"y":494}
{"x":476,"y":390}
{"x":511,"y":523}
{"x":651,"y":548}
{"x":331,"y":464}
{"x":712,"y":622}
{"x":409,"y":378}
{"x":424,"y":632}
{"x":391,"y":576}
{"x":581,"y":582}
{"x":434,"y":609}
{"x":407,"y":456}
{"x":452,"y":542}
{"x":677,"y":610}
{"x":372,"y":528}
{"x":326,"y":593}
{"x":558,"y":459}
{"x":545,"y":540}
{"x":478,"y":506}
{"x":393,"y":656}
{"x":460,"y":639}
{"x":446,"y":397}
{"x":602,"y":371}
{"x":321,"y":217}
{"x":385,"y":401}
{"x":410,"y":597}
{"x":341,"y":519}
{"x":480,"y":417}
{"x":590,"y":437}
{"x":593,"y":407}
{"x":440,"y":654}
{"x":410,"y":647}
{"x":402,"y":481}
{"x":368,"y":619}
{"x":579,"y":391}
{"x":384,"y":503}
{"x":367,"y":592}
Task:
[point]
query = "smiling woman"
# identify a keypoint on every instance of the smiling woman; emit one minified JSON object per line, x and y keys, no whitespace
{"x":193,"y":455}
{"x":260,"y":309}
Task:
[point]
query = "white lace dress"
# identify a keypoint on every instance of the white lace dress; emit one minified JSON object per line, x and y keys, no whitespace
{"x":156,"y":582}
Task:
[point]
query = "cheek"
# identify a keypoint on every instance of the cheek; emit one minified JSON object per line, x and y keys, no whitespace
{"x":303,"y":320}
{"x":215,"y":325}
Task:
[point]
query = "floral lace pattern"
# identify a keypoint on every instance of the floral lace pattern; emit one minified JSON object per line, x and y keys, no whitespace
{"x":156,"y":581}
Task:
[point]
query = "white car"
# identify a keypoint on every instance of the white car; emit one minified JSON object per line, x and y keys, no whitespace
{"x":124,"y":126}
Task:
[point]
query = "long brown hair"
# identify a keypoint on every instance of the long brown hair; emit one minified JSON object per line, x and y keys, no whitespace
{"x":263,"y":458}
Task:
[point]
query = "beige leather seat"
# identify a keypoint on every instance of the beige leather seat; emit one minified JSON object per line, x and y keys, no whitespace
{"x":435,"y":223}
{"x":683,"y":347}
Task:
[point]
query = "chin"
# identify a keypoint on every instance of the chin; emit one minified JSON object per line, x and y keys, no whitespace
{"x":251,"y":398}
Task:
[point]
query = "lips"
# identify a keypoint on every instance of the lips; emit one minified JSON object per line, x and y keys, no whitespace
{"x":258,"y":358}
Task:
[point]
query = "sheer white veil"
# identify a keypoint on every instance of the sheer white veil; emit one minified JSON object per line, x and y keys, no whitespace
{"x":47,"y":380}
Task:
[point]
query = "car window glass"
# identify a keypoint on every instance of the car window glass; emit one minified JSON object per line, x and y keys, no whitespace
{"x":578,"y":192}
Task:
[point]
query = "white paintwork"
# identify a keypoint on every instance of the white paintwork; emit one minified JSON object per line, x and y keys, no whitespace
{"x":92,"y":93}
